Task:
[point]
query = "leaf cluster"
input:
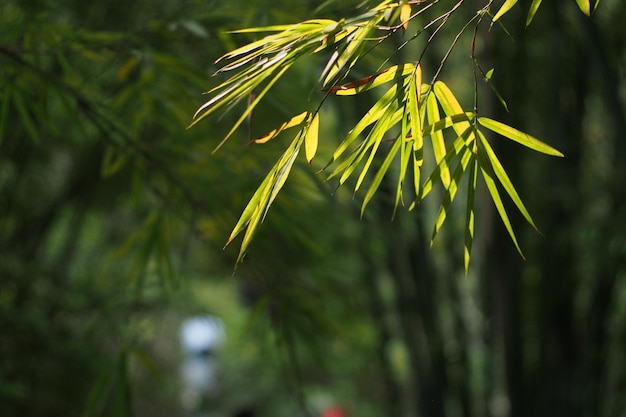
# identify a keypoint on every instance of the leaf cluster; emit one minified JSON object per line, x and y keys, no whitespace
{"x":407,"y":112}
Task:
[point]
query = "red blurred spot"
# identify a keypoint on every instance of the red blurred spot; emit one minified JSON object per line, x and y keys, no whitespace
{"x":334,"y":412}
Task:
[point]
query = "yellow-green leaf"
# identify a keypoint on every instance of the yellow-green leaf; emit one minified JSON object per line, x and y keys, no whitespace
{"x":508,"y":4}
{"x":311,"y":138}
{"x":469,"y":215}
{"x":451,"y":193}
{"x":504,"y":179}
{"x":532,"y":10}
{"x":584,"y":6}
{"x":439,"y":146}
{"x":369,"y":82}
{"x":405,"y":15}
{"x":495,"y":196}
{"x":294,"y":121}
{"x":517,"y":136}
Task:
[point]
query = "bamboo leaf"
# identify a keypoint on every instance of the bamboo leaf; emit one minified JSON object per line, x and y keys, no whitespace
{"x":495,"y":197}
{"x":372,"y":81}
{"x":294,"y":121}
{"x":458,"y":145}
{"x":504,"y":179}
{"x":450,"y":105}
{"x":311,"y":138}
{"x":508,"y":4}
{"x":391,"y":117}
{"x":519,"y":137}
{"x":436,"y":136}
{"x":416,"y":127}
{"x":405,"y":15}
{"x":595,"y":6}
{"x":373,"y":114}
{"x":252,"y":105}
{"x":381,"y":173}
{"x":451,"y":192}
{"x":469,"y":215}
{"x":584,"y":6}
{"x":256,"y":202}
{"x":532,"y":10}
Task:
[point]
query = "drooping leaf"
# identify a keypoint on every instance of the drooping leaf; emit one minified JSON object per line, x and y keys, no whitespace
{"x":451,"y":192}
{"x":373,"y":114}
{"x":372,"y":81}
{"x":311,"y":138}
{"x":584,"y":6}
{"x":415,"y":114}
{"x":381,"y":173}
{"x":508,"y":4}
{"x":294,"y":121}
{"x":389,"y":119}
{"x":405,"y":15}
{"x":532,"y":11}
{"x":469,"y":215}
{"x":488,"y":177}
{"x":519,"y":137}
{"x":502,"y":176}
{"x":436,"y":136}
{"x":460,"y":143}
{"x":450,"y":105}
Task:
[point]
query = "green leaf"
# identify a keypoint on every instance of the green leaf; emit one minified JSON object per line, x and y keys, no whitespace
{"x":417,"y":121}
{"x":584,"y":6}
{"x":517,"y":136}
{"x":469,"y":215}
{"x":450,"y":105}
{"x":502,"y":176}
{"x":436,"y":136}
{"x":532,"y":10}
{"x":462,"y":142}
{"x":373,"y":115}
{"x":391,"y":117}
{"x":381,"y":173}
{"x":372,"y":81}
{"x":488,"y":177}
{"x":294,"y":121}
{"x":508,"y":4}
{"x":311,"y":138}
{"x":451,"y":192}
{"x":595,"y":6}
{"x":251,"y":106}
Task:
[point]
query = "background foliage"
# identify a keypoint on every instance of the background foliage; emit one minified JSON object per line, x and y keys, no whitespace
{"x":113,"y":217}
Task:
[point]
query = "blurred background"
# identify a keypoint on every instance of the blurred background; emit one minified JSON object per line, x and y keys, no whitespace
{"x":118,"y":299}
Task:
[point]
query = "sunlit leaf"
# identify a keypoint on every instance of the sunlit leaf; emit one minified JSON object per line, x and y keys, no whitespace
{"x":450,"y":105}
{"x":294,"y":121}
{"x":488,"y":177}
{"x":517,"y":136}
{"x":311,"y":138}
{"x":372,"y":81}
{"x":373,"y":114}
{"x":405,"y":15}
{"x":381,"y":173}
{"x":469,"y":215}
{"x":584,"y":6}
{"x":389,"y":119}
{"x":508,"y":4}
{"x":532,"y":11}
{"x":416,"y":126}
{"x":439,"y":146}
{"x":460,"y":143}
{"x":502,"y":176}
{"x":451,"y":192}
